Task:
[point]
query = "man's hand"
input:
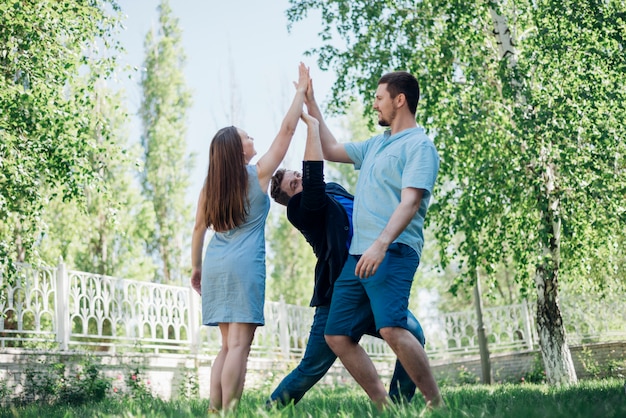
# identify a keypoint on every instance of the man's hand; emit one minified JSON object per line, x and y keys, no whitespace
{"x":196,"y":281}
{"x":309,"y":96}
{"x":370,"y":260}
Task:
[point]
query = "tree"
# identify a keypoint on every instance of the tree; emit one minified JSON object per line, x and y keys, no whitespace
{"x":105,"y":235}
{"x":47,"y":50}
{"x":525,"y":102}
{"x":165,"y":177}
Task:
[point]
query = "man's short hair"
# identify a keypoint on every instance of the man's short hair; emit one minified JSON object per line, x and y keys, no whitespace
{"x":276,"y":192}
{"x":402,"y":82}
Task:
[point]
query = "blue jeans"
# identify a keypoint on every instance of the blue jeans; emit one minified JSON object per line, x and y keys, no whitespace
{"x":318,"y":358}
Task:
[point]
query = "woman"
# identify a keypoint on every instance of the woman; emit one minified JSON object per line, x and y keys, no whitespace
{"x":231,"y":280}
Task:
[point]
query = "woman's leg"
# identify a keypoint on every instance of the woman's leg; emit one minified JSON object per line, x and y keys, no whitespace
{"x":240,"y":337}
{"x":215,"y":395}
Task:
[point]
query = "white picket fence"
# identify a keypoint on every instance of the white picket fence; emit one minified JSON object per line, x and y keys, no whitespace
{"x":66,"y":310}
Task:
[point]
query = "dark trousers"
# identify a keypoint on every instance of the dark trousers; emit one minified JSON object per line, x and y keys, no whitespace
{"x":318,"y":358}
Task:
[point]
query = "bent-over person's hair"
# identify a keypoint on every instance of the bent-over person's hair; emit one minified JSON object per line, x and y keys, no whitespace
{"x":402,"y":82}
{"x":226,"y":185}
{"x":275,"y":191}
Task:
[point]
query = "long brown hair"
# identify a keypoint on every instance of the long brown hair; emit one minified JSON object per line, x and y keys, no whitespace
{"x":226,"y":184}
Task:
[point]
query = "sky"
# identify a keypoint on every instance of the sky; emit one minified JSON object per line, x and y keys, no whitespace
{"x":240,"y":46}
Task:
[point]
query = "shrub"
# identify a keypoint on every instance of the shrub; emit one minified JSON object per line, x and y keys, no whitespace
{"x":465,"y":376}
{"x":137,"y":386}
{"x":51,"y":383}
{"x":537,"y":374}
{"x":86,"y":385}
{"x":190,"y":386}
{"x":589,"y":363}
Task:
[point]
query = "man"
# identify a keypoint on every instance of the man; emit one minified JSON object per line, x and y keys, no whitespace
{"x":322,"y":213}
{"x":398,"y":173}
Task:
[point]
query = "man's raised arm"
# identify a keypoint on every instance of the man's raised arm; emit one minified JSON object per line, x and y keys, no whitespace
{"x":332,"y":149}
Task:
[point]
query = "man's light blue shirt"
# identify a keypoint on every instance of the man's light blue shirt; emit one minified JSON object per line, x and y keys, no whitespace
{"x":389,"y":163}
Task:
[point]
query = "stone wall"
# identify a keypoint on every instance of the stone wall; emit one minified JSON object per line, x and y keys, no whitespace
{"x":590,"y":360}
{"x":167,"y":375}
{"x":163,"y":374}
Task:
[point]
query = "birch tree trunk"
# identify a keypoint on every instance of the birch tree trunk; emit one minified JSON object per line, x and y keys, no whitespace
{"x":555,"y":351}
{"x":557,"y":358}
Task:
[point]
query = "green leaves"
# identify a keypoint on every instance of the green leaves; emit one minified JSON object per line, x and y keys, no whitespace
{"x":46,"y":51}
{"x":547,"y":95}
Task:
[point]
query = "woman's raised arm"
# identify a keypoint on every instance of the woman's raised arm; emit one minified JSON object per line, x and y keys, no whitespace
{"x":268,"y":163}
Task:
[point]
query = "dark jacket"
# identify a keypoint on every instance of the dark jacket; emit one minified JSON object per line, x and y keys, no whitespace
{"x":324,"y":223}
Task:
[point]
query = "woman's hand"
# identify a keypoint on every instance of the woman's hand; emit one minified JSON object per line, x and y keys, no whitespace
{"x":196,"y":281}
{"x":310,"y":120}
{"x":303,"y":79}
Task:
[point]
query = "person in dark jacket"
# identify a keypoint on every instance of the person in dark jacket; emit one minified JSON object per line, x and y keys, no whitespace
{"x":323,"y":214}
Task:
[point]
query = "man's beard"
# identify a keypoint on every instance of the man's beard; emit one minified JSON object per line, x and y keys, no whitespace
{"x":387,"y":122}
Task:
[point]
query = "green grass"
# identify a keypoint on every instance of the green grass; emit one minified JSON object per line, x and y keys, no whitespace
{"x":591,"y":398}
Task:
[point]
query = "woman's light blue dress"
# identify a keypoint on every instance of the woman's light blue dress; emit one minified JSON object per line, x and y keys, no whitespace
{"x":233,"y":270}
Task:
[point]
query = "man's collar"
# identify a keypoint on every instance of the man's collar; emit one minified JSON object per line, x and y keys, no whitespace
{"x":387,"y":133}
